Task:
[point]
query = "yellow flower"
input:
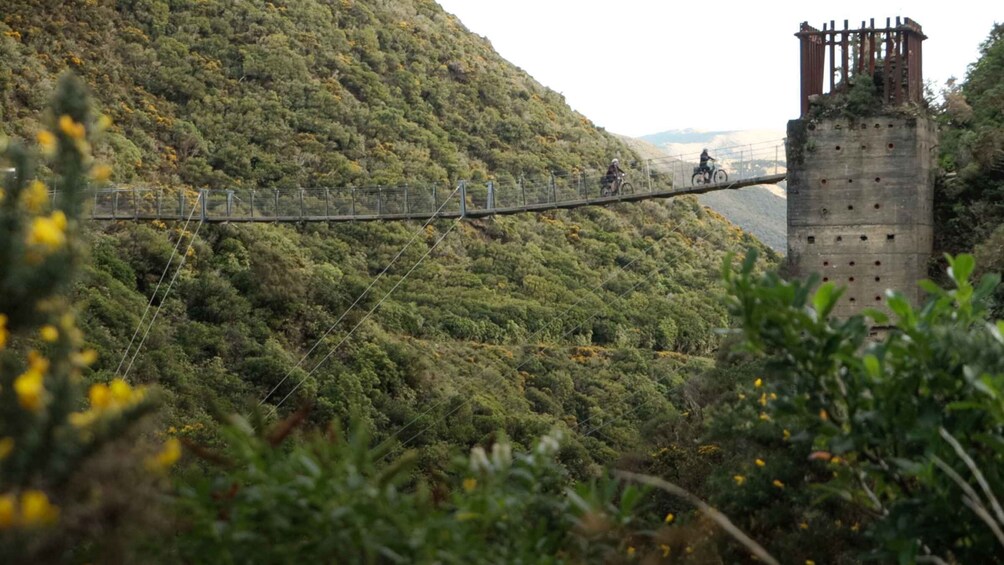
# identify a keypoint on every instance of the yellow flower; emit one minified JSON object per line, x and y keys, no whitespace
{"x":823,"y":415}
{"x":760,"y":462}
{"x":786,"y":434}
{"x":763,"y":399}
{"x":665,"y":550}
{"x":777,"y":483}
{"x":49,"y":333}
{"x":101,"y":173}
{"x":758,"y":383}
{"x":6,"y":446}
{"x":630,"y":551}
{"x":46,"y":141}
{"x":70,"y":128}
{"x":100,"y":396}
{"x":764,"y":417}
{"x":36,"y":196}
{"x":810,"y":562}
{"x":3,"y":330}
{"x":470,"y":483}
{"x":104,"y":122}
{"x":836,"y":460}
{"x":803,"y":526}
{"x":36,"y":509}
{"x":121,"y":391}
{"x":6,"y":511}
{"x":742,"y":396}
{"x":669,"y":518}
{"x":855,"y":527}
{"x":773,"y":396}
{"x":86,"y":357}
{"x":167,"y":456}
{"x":49,"y":232}
{"x":688,"y":549}
{"x":82,"y":419}
{"x":30,"y":390}
{"x":739,"y":479}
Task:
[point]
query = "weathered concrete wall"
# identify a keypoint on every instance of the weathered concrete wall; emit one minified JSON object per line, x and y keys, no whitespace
{"x":860,"y":196}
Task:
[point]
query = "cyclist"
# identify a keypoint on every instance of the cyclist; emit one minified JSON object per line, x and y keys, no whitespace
{"x":614,"y":173}
{"x":704,"y":168}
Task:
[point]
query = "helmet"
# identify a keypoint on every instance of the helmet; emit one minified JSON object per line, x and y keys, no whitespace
{"x":705,"y":149}
{"x":614,"y":162}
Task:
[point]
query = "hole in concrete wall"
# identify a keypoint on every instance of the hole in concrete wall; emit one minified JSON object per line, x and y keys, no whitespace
{"x":878,"y":179}
{"x":838,"y":148}
{"x":850,"y":206}
{"x":812,"y":239}
{"x":824,"y":211}
{"x":840,"y":238}
{"x":891,"y":145}
{"x":864,"y":147}
{"x":826,"y":263}
{"x":864,"y":126}
{"x":878,"y":263}
{"x":877,"y":126}
{"x":812,"y":127}
{"x":878,"y":298}
{"x":877,"y":206}
{"x":850,"y":180}
{"x":837,"y":126}
{"x":852,"y":263}
{"x":851,"y":279}
{"x":890,"y":236}
{"x":852,"y":299}
{"x":877,"y":279}
{"x":864,"y":238}
{"x":826,"y":279}
{"x":891,"y":125}
{"x":822,"y":181}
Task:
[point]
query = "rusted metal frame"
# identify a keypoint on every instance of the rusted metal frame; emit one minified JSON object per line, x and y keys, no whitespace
{"x":887,"y":70}
{"x":871,"y":48}
{"x":831,"y":42}
{"x":900,"y":62}
{"x":845,"y":73}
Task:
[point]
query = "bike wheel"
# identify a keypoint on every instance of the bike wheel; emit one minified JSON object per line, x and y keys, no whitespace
{"x":721,"y":176}
{"x":626,"y":188}
{"x":697,"y":179}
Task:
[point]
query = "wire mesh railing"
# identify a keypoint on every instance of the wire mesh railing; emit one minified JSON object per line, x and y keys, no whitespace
{"x":658,"y":177}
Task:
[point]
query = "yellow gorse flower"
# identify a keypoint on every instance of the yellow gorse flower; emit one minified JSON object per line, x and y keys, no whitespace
{"x":49,"y":232}
{"x":36,"y":196}
{"x":6,"y":446}
{"x":29,"y":385}
{"x":3,"y":330}
{"x":167,"y":456}
{"x":70,"y":128}
{"x":758,"y":383}
{"x":49,"y":333}
{"x":760,"y":462}
{"x":777,"y":483}
{"x":36,"y":510}
{"x":101,"y":173}
{"x":669,"y":518}
{"x":739,"y":479}
{"x":7,"y":511}
{"x":470,"y":483}
{"x":46,"y":141}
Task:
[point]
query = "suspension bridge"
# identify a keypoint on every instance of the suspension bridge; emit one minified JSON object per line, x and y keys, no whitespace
{"x":664,"y":177}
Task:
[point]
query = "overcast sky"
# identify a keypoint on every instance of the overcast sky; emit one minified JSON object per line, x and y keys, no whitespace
{"x":705,"y":65}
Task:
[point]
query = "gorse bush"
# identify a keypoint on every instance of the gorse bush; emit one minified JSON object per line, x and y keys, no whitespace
{"x":906,"y":426}
{"x":60,"y":482}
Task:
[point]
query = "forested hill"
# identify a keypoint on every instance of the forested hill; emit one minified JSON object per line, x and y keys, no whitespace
{"x":211,"y":93}
{"x":579,"y":319}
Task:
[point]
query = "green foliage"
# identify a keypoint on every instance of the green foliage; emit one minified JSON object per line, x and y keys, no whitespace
{"x":505,"y":506}
{"x":909,"y":423}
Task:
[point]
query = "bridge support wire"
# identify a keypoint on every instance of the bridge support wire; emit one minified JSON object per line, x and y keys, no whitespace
{"x":184,"y":229}
{"x":181,"y":265}
{"x":366,"y":317}
{"x":469,"y":397}
{"x":414,"y":237}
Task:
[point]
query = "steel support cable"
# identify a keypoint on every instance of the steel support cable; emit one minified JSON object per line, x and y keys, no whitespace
{"x":368,"y":314}
{"x":414,"y":237}
{"x":153,"y":319}
{"x":521,"y":365}
{"x":462,"y":404}
{"x":531,"y":341}
{"x":125,"y":354}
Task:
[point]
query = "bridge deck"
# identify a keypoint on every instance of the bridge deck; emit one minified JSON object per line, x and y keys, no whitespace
{"x":218,"y":216}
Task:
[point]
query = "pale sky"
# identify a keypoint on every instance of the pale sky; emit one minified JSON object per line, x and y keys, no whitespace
{"x":705,"y":65}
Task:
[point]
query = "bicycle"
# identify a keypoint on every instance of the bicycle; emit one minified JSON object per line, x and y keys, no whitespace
{"x":711,"y":175}
{"x":617,"y":186}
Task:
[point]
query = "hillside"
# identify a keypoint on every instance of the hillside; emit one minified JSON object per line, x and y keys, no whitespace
{"x":514,"y":324}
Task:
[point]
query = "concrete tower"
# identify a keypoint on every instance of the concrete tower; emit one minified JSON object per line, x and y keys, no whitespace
{"x":861,"y":164}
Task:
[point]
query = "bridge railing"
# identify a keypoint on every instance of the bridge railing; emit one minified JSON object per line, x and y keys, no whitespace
{"x":662,"y":176}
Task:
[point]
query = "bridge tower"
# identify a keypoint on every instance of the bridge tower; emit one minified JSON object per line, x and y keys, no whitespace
{"x":860,"y":163}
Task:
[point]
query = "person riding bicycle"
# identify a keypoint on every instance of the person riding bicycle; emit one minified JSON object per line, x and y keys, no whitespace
{"x":704,"y":168}
{"x":614,"y":172}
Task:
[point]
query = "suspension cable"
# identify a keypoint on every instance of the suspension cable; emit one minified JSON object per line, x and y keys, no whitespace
{"x":414,"y":237}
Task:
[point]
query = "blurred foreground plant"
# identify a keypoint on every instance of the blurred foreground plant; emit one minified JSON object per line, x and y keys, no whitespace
{"x":56,"y":490}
